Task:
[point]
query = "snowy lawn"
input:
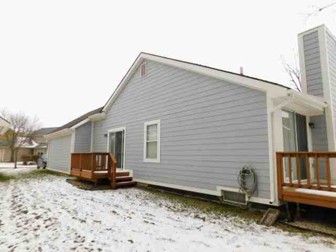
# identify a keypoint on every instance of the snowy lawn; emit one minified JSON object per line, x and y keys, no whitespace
{"x":45,"y":213}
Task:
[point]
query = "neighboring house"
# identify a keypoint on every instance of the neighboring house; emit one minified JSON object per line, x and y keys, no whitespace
{"x":191,"y":127}
{"x":40,"y":139}
{"x":26,"y":149}
{"x":4,"y":127}
{"x":36,"y":146}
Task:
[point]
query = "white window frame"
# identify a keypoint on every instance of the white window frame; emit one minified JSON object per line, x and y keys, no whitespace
{"x":157,"y":159}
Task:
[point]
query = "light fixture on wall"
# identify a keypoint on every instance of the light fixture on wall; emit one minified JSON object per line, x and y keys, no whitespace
{"x":311,"y":125}
{"x":105,"y":135}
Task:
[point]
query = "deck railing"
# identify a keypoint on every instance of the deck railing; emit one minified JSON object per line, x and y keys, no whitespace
{"x":92,"y":162}
{"x":311,"y":170}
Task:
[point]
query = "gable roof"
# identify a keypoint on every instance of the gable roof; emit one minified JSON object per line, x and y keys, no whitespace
{"x":77,"y":120}
{"x":3,"y":119}
{"x":4,"y":125}
{"x":244,"y":80}
{"x":45,"y":131}
{"x":241,"y":79}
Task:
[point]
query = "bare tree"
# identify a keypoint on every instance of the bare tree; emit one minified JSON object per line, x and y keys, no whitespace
{"x":21,"y":132}
{"x":318,"y":9}
{"x":293,"y":71}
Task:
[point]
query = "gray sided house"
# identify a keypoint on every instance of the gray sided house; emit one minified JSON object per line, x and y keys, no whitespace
{"x":191,"y":127}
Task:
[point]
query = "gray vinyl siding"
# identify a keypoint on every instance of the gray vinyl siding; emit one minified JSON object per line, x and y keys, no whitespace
{"x":210,"y":128}
{"x":312,"y":62}
{"x":331,"y":52}
{"x":319,"y":133}
{"x":59,"y":154}
{"x":83,"y":138}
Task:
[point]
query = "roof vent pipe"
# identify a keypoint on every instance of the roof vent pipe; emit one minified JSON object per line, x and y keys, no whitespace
{"x":241,"y":70}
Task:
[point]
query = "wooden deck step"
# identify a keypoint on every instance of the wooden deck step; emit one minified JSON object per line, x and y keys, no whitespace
{"x":122,"y":174}
{"x":124,"y":178}
{"x":126,"y":184}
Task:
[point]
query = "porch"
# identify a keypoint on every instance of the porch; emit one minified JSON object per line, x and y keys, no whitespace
{"x":95,"y":166}
{"x":307,"y":178}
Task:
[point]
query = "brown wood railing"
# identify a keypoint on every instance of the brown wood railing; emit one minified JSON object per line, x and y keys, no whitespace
{"x":311,"y":170}
{"x":87,"y":165}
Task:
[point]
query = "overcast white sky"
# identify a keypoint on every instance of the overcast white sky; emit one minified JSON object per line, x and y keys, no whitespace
{"x":60,"y":59}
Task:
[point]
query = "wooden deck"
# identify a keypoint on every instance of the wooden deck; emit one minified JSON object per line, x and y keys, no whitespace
{"x":306,"y":177}
{"x":95,"y":166}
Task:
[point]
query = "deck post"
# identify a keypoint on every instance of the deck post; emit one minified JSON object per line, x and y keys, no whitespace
{"x":80,"y":163}
{"x":328,"y":173}
{"x":92,"y":162}
{"x":308,"y":170}
{"x":317,"y":170}
{"x":298,"y":169}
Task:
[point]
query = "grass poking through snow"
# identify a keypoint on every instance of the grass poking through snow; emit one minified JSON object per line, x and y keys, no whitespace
{"x":4,"y":177}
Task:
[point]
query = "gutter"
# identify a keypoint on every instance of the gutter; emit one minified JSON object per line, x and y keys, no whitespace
{"x":97,"y":117}
{"x":63,"y":132}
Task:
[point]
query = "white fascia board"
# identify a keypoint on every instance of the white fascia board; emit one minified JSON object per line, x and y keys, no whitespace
{"x":57,"y":134}
{"x":300,"y":102}
{"x":264,"y":86}
{"x":310,"y":99}
{"x":301,"y":34}
{"x":230,"y":77}
{"x":80,"y":123}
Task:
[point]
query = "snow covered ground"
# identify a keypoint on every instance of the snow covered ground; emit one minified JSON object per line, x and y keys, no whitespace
{"x":48,"y":214}
{"x":9,"y":168}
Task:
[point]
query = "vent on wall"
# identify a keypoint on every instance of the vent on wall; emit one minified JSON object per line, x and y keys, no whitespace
{"x":234,"y":197}
{"x":143,"y":69}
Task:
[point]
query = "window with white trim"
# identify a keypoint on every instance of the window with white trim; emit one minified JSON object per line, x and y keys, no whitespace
{"x":152,"y":141}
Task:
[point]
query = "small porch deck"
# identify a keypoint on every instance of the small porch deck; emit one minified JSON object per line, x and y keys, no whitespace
{"x":95,"y":166}
{"x":307,"y":178}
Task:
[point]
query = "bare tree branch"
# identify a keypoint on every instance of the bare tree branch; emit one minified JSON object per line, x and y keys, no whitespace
{"x":318,"y":9}
{"x":294,"y":73}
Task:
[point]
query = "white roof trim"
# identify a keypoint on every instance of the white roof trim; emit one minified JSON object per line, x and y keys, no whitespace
{"x":97,"y":117}
{"x":242,"y":80}
{"x":301,"y":103}
{"x":57,"y":134}
{"x":80,"y":123}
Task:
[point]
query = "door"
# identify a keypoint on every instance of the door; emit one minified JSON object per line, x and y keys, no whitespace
{"x":116,"y":146}
{"x":295,"y":137}
{"x":302,"y":143}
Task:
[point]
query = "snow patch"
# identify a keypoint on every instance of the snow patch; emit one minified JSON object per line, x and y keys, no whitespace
{"x":49,"y":214}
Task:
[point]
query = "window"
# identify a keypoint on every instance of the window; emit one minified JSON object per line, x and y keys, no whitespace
{"x":289,"y":131}
{"x":152,"y":141}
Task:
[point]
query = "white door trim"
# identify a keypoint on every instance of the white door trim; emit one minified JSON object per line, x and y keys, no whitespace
{"x":124,"y":138}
